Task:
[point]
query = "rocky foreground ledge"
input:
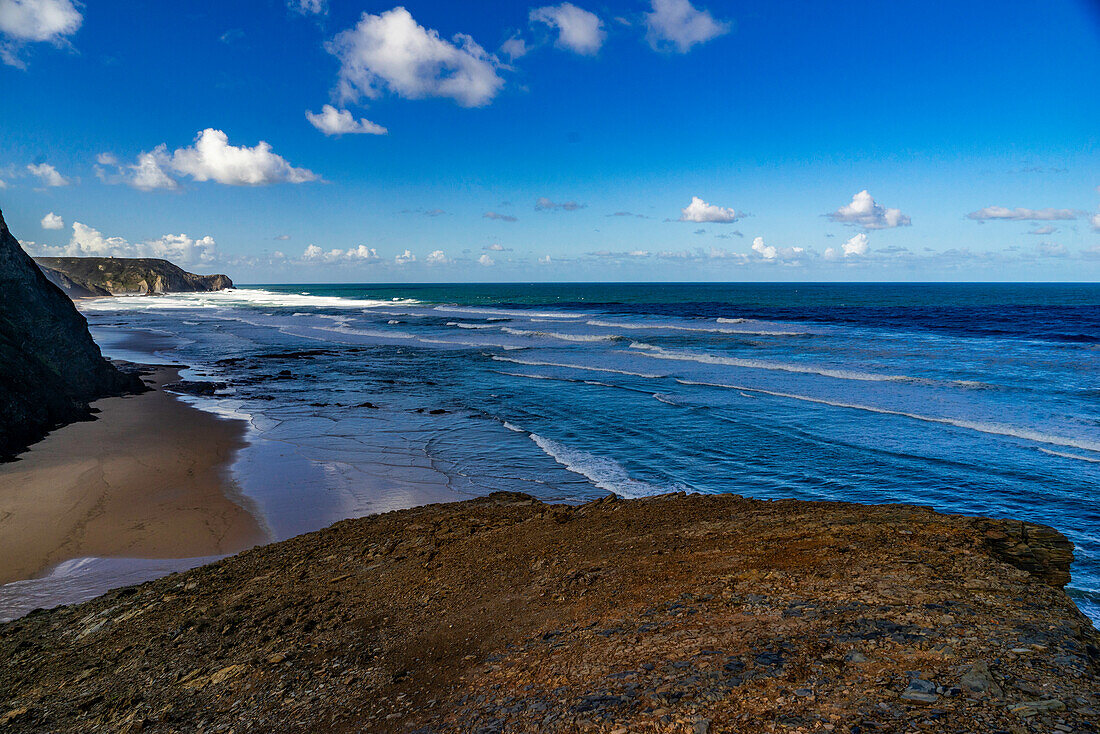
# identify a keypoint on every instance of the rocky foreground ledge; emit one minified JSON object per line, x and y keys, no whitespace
{"x":674,"y":613}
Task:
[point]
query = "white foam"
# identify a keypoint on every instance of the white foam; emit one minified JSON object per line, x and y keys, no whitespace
{"x":1070,"y":456}
{"x":560,"y":336}
{"x":461,"y":325}
{"x":730,"y":321}
{"x":995,"y":429}
{"x":234,"y":297}
{"x":649,"y":350}
{"x":534,"y":363}
{"x":704,"y":329}
{"x":504,"y":312}
{"x":603,"y":472}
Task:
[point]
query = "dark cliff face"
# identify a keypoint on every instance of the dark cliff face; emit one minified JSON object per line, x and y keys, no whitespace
{"x":50,"y":369}
{"x":84,"y":276}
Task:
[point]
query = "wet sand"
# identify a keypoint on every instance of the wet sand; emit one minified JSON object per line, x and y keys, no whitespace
{"x":147,"y":479}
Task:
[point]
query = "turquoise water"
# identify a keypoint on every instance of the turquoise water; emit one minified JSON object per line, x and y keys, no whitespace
{"x":976,"y":399}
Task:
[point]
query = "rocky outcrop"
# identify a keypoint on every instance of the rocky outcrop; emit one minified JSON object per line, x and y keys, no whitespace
{"x":73,"y":288}
{"x":119,"y":276}
{"x":1040,"y":550}
{"x":678,"y":613}
{"x":50,"y":369}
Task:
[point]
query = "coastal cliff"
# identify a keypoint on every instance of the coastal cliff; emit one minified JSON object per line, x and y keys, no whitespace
{"x":117,"y":276}
{"x":678,"y":613}
{"x":50,"y":369}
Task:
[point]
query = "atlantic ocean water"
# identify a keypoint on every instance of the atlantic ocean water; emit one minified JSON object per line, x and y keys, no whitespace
{"x":968,"y":398}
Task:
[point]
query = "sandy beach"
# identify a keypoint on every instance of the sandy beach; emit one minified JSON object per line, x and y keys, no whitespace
{"x":147,"y":479}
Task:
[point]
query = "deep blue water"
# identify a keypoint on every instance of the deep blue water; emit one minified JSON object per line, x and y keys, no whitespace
{"x":976,"y":399}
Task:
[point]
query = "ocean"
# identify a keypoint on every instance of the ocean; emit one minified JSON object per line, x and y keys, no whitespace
{"x":980,"y":399}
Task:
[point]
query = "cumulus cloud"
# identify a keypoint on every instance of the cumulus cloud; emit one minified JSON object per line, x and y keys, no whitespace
{"x":404,"y":258}
{"x":48,"y":175}
{"x":360,"y":254}
{"x":700,"y":211}
{"x":578,"y":30}
{"x":501,"y":217}
{"x":677,"y":24}
{"x":545,"y":260}
{"x":514,"y":48}
{"x":212,"y":158}
{"x":89,"y":242}
{"x":1095,"y":222}
{"x":866,"y":213}
{"x":209,"y":158}
{"x":308,"y":7}
{"x":770,"y":253}
{"x":1022,"y":215}
{"x":544,"y":204}
{"x":1045,"y":229}
{"x":52,"y":221}
{"x":331,"y":121}
{"x":857,"y":246}
{"x":33,"y":21}
{"x":391,"y":51}
{"x":436,"y":257}
{"x":486,"y":260}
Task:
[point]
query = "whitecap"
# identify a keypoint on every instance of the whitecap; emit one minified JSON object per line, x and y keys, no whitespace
{"x":995,"y":429}
{"x":534,"y":363}
{"x":603,"y":472}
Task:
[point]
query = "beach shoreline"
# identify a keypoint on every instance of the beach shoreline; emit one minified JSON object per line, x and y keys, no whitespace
{"x":148,"y":478}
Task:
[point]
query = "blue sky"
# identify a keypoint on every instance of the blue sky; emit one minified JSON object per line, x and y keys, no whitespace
{"x":835,"y":141}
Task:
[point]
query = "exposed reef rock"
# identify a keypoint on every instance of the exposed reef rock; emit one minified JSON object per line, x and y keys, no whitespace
{"x":678,"y":613}
{"x":119,"y":276}
{"x":50,"y":369}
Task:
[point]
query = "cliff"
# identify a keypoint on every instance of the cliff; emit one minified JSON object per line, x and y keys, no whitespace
{"x":50,"y":369}
{"x":681,"y":613}
{"x":118,"y":276}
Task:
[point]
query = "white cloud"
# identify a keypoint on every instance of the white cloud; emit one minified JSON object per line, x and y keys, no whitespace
{"x":486,"y":260}
{"x":3,"y":184}
{"x":48,"y":175}
{"x":331,"y":121}
{"x":308,"y":7}
{"x":857,"y":246}
{"x":700,"y":211}
{"x":1021,"y":214}
{"x":52,"y":221}
{"x":1095,"y":222}
{"x":28,"y":21}
{"x":514,"y":48}
{"x":578,"y":30}
{"x":495,"y":247}
{"x":1045,"y":229}
{"x":436,"y":257}
{"x":210,"y":158}
{"x":678,"y":24}
{"x":392,"y":51}
{"x":147,"y":174}
{"x":545,"y":260}
{"x":360,"y":254}
{"x":866,"y":213}
{"x":768,"y":252}
{"x":90,"y":242}
{"x":179,"y":248}
{"x":501,"y":217}
{"x":405,"y":257}
{"x":545,"y":204}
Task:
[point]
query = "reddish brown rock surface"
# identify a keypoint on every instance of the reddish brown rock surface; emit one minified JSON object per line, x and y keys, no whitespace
{"x":677,"y":613}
